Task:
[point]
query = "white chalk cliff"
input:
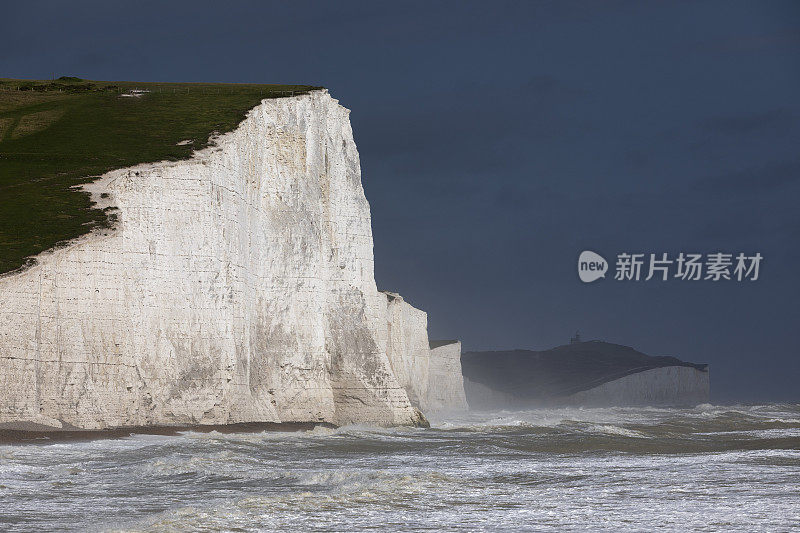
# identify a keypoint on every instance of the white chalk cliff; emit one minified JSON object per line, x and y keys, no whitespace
{"x":407,"y":348}
{"x":671,"y":385}
{"x":445,"y":379}
{"x":237,"y":286}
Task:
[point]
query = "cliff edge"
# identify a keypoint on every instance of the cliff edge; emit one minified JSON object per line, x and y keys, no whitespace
{"x":236,"y":286}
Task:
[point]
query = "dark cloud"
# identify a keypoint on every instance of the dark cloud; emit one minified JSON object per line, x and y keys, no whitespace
{"x":771,"y":121}
{"x":756,"y":43}
{"x":764,"y":179}
{"x":550,"y":88}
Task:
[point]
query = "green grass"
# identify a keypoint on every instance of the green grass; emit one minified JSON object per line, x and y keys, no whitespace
{"x":58,"y":134}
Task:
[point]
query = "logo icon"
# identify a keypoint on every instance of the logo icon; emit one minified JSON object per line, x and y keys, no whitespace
{"x":591,"y":266}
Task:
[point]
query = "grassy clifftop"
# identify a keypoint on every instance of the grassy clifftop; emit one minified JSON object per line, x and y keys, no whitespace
{"x":57,"y":134}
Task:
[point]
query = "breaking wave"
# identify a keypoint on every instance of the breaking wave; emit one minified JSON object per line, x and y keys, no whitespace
{"x":710,"y":468}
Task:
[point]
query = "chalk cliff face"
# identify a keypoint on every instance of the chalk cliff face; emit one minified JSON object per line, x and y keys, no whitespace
{"x":236,"y":287}
{"x":672,"y":385}
{"x":593,"y":373}
{"x":666,"y":386}
{"x":445,"y":380}
{"x":408,"y":349}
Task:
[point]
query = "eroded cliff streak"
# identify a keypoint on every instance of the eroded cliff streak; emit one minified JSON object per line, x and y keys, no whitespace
{"x":237,"y":286}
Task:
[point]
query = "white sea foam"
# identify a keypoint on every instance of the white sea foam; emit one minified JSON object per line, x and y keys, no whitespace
{"x":549,"y":469}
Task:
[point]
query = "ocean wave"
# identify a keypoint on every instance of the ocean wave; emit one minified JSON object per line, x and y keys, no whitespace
{"x":633,"y":419}
{"x":606,"y":429}
{"x":501,"y":470}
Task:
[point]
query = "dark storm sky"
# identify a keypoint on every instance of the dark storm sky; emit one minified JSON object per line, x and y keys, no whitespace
{"x":499,"y":140}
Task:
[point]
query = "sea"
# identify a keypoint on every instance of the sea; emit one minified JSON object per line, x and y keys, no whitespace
{"x":708,"y":468}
